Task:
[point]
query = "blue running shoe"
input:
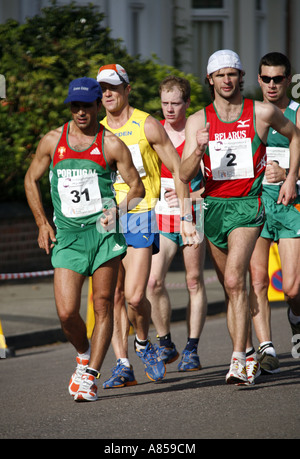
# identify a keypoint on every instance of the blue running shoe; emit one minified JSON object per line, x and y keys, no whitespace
{"x":189,"y":361}
{"x":121,"y":376}
{"x":167,"y":354}
{"x":155,"y":368}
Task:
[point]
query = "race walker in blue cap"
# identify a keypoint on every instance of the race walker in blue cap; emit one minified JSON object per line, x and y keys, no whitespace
{"x":84,"y":90}
{"x":83,"y":158}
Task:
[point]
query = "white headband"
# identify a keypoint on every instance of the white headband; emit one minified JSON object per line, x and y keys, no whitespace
{"x":223,"y":59}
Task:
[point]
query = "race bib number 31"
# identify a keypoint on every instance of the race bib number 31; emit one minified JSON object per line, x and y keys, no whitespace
{"x":231,"y":159}
{"x":80,"y":196}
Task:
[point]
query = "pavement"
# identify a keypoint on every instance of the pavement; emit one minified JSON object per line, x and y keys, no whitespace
{"x":28,"y":314}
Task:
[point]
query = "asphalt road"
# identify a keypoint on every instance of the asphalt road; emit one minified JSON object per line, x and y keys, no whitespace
{"x":187,"y":407}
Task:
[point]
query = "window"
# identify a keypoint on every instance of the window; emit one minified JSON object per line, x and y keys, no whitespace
{"x":212,"y":29}
{"x":208,"y":3}
{"x":207,"y":38}
{"x":258,"y":5}
{"x":136,"y":10}
{"x":261,"y":29}
{"x":135,"y":32}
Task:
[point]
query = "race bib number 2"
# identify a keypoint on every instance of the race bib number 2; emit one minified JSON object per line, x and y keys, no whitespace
{"x":231,"y":159}
{"x":80,"y":196}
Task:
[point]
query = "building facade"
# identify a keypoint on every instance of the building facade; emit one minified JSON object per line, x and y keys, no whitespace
{"x":184,"y":33}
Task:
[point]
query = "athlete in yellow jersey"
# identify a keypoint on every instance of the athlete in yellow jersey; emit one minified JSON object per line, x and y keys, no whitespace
{"x":145,"y":159}
{"x":149,"y":145}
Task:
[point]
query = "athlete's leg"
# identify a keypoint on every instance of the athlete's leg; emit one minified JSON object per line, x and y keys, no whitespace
{"x":137,"y":264}
{"x":67,"y":291}
{"x":104,"y":284}
{"x":197,"y":307}
{"x":241,"y":243}
{"x":289,"y":252}
{"x":156,"y":289}
{"x":218,"y":257}
{"x":260,"y":308}
{"x":232,"y":266}
{"x":121,"y":322}
{"x":258,"y":295}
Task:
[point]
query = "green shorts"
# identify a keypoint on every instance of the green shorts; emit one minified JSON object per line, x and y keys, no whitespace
{"x":282,"y":222}
{"x":85,"y":249}
{"x":175,"y":237}
{"x":221,"y":216}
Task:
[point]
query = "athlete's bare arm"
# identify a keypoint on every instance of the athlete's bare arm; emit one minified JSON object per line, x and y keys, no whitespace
{"x":161,"y":143}
{"x":274,"y":172}
{"x":119,"y":158}
{"x":268,"y":115}
{"x":36,"y":170}
{"x":196,"y":141}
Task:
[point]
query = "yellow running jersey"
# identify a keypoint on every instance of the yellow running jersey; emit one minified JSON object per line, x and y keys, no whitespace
{"x":145,"y":159}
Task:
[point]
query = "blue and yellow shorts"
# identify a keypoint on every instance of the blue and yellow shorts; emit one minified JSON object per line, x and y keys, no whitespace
{"x":140,"y":230}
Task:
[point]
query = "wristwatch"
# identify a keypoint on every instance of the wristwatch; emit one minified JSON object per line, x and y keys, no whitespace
{"x":187,"y":218}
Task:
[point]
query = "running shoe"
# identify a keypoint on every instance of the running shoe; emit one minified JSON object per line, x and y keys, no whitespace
{"x":87,"y":391}
{"x":252,"y":369}
{"x":155,"y":368}
{"x":121,"y":376}
{"x":189,"y":361}
{"x":269,"y":364}
{"x":167,"y":354}
{"x":237,"y":374}
{"x":74,"y":383}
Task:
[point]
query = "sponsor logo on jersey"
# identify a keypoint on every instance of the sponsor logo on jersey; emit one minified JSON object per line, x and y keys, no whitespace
{"x":95,"y":152}
{"x":243,"y":124}
{"x":117,"y":247}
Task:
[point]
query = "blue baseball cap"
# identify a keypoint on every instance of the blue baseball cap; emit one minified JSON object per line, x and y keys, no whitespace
{"x":84,"y":90}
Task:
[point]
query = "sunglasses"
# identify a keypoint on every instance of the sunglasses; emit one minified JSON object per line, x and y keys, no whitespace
{"x":277,"y":79}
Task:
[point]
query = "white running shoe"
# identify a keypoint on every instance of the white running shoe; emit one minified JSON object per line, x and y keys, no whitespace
{"x":87,"y":391}
{"x":252,"y":369}
{"x":74,"y":383}
{"x":237,"y":373}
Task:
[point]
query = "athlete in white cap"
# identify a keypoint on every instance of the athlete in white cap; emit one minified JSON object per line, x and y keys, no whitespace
{"x":222,"y":59}
{"x":149,"y":145}
{"x":230,"y":136}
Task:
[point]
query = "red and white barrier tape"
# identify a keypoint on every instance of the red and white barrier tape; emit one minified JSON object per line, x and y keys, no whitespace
{"x":28,"y":275}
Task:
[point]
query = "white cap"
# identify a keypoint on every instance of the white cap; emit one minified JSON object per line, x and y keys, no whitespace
{"x":223,"y":59}
{"x":113,"y":74}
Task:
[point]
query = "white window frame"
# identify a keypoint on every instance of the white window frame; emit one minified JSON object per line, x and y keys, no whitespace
{"x":262,"y":34}
{"x":136,"y":9}
{"x":224,"y":15}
